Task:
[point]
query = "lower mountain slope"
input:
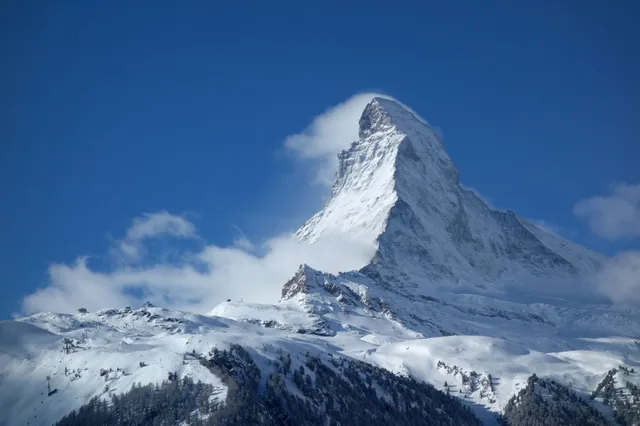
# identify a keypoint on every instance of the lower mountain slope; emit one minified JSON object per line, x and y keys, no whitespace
{"x":305,"y":390}
{"x":90,"y":358}
{"x":548,"y":403}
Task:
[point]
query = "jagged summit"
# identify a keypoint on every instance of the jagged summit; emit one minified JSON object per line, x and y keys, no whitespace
{"x":385,"y":112}
{"x":303,"y":280}
{"x":382,"y":114}
{"x":367,"y":182}
{"x":396,"y":187}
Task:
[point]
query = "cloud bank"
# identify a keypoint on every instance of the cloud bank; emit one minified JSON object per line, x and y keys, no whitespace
{"x":619,"y":279}
{"x":201,"y":280}
{"x":149,"y":226}
{"x":614,"y":216}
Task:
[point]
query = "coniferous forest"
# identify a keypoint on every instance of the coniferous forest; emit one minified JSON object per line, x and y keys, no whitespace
{"x":548,"y":403}
{"x":315,"y":392}
{"x":338,"y":391}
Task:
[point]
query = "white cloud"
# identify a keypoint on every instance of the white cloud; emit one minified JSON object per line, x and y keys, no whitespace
{"x":331,"y":132}
{"x":328,"y":134}
{"x":72,"y":287}
{"x":619,"y":278}
{"x":148,"y":226}
{"x":613,"y":216}
{"x":244,"y":243}
{"x":210,"y":276}
{"x":160,"y":224}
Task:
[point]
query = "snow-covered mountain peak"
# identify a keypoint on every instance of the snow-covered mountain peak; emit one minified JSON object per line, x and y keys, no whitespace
{"x":395,"y":147}
{"x":396,"y":187}
{"x":375,"y":118}
{"x":383,"y":113}
{"x":422,"y":143}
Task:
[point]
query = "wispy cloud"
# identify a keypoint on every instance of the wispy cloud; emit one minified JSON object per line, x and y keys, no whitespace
{"x":331,"y":132}
{"x":619,"y":278}
{"x":202,"y":279}
{"x":328,"y":134}
{"x":161,"y":224}
{"x":242,"y":241}
{"x":614,"y":216}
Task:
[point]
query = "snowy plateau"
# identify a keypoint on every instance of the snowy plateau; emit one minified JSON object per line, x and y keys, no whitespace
{"x":458,"y":295}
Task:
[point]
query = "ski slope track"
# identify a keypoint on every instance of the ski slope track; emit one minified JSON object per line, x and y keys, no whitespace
{"x":457,"y":292}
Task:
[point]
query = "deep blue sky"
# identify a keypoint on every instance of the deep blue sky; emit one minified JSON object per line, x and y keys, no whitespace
{"x":113,"y":109}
